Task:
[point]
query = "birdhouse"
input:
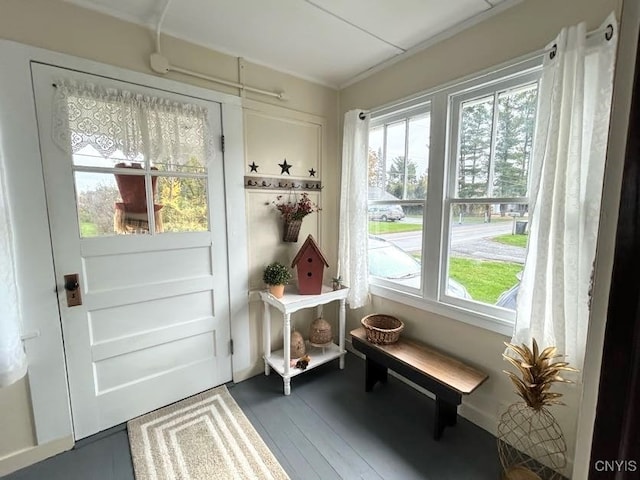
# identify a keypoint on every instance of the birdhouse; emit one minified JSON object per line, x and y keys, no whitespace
{"x":309,"y":263}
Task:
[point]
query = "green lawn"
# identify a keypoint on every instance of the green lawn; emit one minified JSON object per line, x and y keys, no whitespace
{"x":378,"y":228}
{"x":485,"y":280}
{"x":515,"y":240}
{"x":88,"y":229}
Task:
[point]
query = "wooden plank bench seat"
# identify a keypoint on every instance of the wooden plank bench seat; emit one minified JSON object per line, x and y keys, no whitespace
{"x":447,"y":378}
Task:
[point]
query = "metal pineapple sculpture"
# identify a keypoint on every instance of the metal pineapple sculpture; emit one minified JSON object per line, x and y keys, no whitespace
{"x":531,"y":445}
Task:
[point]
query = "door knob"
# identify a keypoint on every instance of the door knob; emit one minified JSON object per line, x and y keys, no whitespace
{"x":72,"y":287}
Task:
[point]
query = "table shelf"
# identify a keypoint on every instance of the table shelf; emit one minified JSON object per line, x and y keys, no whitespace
{"x":290,"y":303}
{"x":319,"y":356}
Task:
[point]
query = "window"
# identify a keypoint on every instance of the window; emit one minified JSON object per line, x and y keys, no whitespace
{"x":448,"y":225}
{"x":111,"y":195}
{"x":398,"y":173}
{"x":139,"y":162}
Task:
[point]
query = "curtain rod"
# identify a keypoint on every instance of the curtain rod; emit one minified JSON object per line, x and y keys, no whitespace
{"x":608,"y":35}
{"x":608,"y":30}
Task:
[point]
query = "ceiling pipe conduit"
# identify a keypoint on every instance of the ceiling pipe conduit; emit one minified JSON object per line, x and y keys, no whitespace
{"x":160,"y":64}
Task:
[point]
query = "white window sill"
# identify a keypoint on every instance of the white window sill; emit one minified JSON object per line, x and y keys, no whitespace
{"x":493,"y":324}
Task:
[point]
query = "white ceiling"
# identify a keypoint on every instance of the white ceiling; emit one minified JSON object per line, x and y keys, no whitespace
{"x":331,"y":42}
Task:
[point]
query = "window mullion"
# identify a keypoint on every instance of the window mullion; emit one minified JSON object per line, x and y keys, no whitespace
{"x":432,"y":219}
{"x":451,"y":146}
{"x":146,"y":142}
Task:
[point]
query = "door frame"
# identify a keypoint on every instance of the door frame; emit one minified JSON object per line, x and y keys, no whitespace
{"x":615,"y":432}
{"x":36,"y":281}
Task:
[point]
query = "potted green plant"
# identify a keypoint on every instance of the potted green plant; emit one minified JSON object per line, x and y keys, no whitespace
{"x":276,"y":276}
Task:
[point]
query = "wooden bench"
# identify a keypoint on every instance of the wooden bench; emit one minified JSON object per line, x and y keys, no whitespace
{"x":442,"y":375}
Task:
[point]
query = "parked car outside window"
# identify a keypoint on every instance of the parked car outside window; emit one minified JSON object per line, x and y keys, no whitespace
{"x":509,"y":298}
{"x":386,"y":213}
{"x":390,"y":262}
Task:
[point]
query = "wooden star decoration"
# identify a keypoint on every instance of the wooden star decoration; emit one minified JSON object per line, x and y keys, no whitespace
{"x":285,"y":167}
{"x":312,"y":173}
{"x":254,"y":167}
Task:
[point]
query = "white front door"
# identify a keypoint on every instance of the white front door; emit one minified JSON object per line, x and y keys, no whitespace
{"x":153,"y":326}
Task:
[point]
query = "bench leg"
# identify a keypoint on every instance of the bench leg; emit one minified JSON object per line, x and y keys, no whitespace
{"x":446,"y":416}
{"x":374,"y":372}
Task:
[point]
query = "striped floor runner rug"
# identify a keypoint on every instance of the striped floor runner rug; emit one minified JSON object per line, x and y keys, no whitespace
{"x":203,"y":437}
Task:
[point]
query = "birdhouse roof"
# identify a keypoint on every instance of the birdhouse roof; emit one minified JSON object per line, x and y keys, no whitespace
{"x":309,"y":242}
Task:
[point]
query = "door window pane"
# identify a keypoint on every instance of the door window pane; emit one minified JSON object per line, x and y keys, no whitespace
{"x":101,"y":208}
{"x":183,"y":149}
{"x":88,"y":156}
{"x":182,"y":203}
{"x":185,"y":164}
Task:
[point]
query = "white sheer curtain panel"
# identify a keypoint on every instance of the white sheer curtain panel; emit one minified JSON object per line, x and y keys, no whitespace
{"x":112,"y":120}
{"x":352,"y":246}
{"x":13,"y":361}
{"x":567,"y":171}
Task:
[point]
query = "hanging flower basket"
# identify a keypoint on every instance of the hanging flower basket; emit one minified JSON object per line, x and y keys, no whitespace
{"x":291,"y":230}
{"x":293,"y":211}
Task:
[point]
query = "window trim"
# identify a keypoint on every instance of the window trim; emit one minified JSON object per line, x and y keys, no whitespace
{"x":432,"y":296}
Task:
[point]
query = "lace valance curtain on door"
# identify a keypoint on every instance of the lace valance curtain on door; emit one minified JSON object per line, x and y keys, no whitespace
{"x":113,"y":120}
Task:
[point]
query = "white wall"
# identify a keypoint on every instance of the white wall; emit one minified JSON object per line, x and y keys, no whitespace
{"x":61,"y":27}
{"x":520,"y":30}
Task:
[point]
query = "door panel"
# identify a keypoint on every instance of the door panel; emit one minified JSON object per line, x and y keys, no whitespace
{"x":154,"y":324}
{"x":102,"y":272}
{"x":107,"y":324}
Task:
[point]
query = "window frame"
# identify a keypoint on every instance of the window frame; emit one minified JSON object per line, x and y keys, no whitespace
{"x":390,"y":118}
{"x":451,"y":197}
{"x":442,"y":179}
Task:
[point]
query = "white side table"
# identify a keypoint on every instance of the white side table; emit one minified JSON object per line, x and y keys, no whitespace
{"x":292,"y":302}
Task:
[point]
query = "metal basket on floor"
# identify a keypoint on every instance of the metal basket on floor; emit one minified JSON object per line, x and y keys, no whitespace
{"x":382,"y":329}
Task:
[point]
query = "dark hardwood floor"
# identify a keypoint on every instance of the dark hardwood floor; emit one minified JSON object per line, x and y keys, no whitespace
{"x":329,"y":428}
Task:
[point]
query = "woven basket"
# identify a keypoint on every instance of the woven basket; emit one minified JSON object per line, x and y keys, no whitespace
{"x":298,"y":348}
{"x":291,"y":231}
{"x":320,"y":332}
{"x":382,"y":329}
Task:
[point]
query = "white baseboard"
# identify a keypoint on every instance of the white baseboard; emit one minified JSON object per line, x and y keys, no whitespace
{"x":28,"y":456}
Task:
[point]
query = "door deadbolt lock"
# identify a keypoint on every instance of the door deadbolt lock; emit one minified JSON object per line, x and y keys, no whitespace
{"x":72,"y":289}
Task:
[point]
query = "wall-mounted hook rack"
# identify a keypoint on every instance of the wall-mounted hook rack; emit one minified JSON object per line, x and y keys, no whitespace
{"x":277,"y":183}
